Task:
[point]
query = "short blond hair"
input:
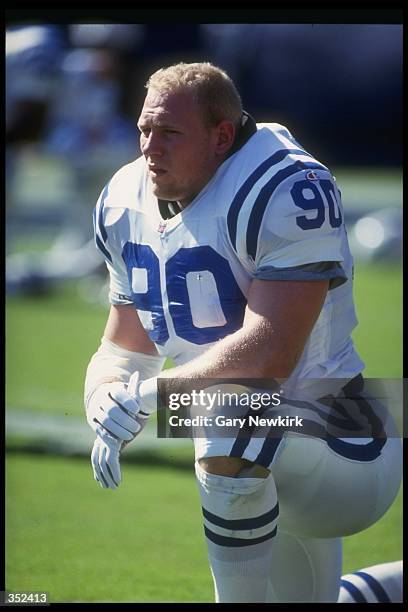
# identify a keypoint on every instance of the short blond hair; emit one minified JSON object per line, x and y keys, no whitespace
{"x":211,"y":86}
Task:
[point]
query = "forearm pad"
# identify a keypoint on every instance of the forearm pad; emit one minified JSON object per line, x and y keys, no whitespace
{"x":113,"y":363}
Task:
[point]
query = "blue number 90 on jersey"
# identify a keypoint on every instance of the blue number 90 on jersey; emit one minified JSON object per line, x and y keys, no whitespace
{"x":204,"y":300}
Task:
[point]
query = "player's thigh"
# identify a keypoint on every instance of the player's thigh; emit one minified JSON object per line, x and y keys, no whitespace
{"x":324,"y":494}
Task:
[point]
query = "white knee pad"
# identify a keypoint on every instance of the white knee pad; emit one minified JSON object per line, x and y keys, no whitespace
{"x":241,"y":509}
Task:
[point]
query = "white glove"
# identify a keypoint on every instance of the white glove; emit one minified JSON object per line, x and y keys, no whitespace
{"x":105,"y":458}
{"x":105,"y":462}
{"x":122,"y":405}
{"x":111,"y":412}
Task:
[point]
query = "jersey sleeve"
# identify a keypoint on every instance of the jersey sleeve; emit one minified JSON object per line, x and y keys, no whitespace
{"x":295,"y":230}
{"x":105,"y":223}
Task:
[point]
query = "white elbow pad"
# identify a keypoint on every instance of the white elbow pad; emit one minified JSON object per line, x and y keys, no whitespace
{"x":114,"y":363}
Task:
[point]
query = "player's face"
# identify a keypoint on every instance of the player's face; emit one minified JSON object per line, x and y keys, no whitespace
{"x":179,"y":148}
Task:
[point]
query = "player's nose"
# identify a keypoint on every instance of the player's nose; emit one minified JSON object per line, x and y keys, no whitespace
{"x":151,"y":145}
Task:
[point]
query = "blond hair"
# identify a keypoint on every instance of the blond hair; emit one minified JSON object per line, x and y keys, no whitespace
{"x":211,"y":87}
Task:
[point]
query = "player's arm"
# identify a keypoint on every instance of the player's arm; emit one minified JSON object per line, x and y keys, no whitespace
{"x":124,"y":328}
{"x":279,"y":318}
{"x":126,"y":354}
{"x":125,"y":349}
{"x":287,"y":311}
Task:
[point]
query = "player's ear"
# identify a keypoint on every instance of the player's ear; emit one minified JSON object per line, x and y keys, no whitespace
{"x":225,"y":137}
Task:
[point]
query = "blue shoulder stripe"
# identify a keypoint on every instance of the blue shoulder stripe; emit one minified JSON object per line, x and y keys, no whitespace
{"x":100,"y":245}
{"x":263,"y":198}
{"x":102,"y":248}
{"x":375,"y":586}
{"x":101,"y":224}
{"x":355,"y":593}
{"x":232,"y":217}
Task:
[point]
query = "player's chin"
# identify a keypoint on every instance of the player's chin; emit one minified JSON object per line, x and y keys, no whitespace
{"x":164,"y":192}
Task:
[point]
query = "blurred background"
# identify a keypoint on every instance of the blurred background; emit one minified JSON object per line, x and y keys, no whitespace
{"x":73,"y":96}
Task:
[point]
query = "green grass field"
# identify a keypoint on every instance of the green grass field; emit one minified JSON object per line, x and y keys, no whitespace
{"x":60,"y":526}
{"x":141,"y":543}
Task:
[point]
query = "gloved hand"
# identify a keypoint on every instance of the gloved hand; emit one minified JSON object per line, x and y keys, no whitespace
{"x":111,"y":412}
{"x":105,"y":456}
{"x":105,"y":462}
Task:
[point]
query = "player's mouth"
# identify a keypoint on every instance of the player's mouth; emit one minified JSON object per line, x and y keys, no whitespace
{"x":156,"y":172}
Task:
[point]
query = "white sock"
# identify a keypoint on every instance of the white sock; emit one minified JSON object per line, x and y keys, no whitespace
{"x":377,"y":584}
{"x":305,"y":570}
{"x":240,"y":517}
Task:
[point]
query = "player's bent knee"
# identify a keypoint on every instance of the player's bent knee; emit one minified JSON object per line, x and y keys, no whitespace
{"x":240,"y":517}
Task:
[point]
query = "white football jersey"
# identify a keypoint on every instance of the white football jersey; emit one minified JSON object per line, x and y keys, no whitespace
{"x":271,"y":211}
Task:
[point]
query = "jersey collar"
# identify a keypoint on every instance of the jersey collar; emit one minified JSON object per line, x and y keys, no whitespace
{"x":247,"y":129}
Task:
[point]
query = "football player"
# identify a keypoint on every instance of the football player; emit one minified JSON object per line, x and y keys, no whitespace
{"x":227,"y":251}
